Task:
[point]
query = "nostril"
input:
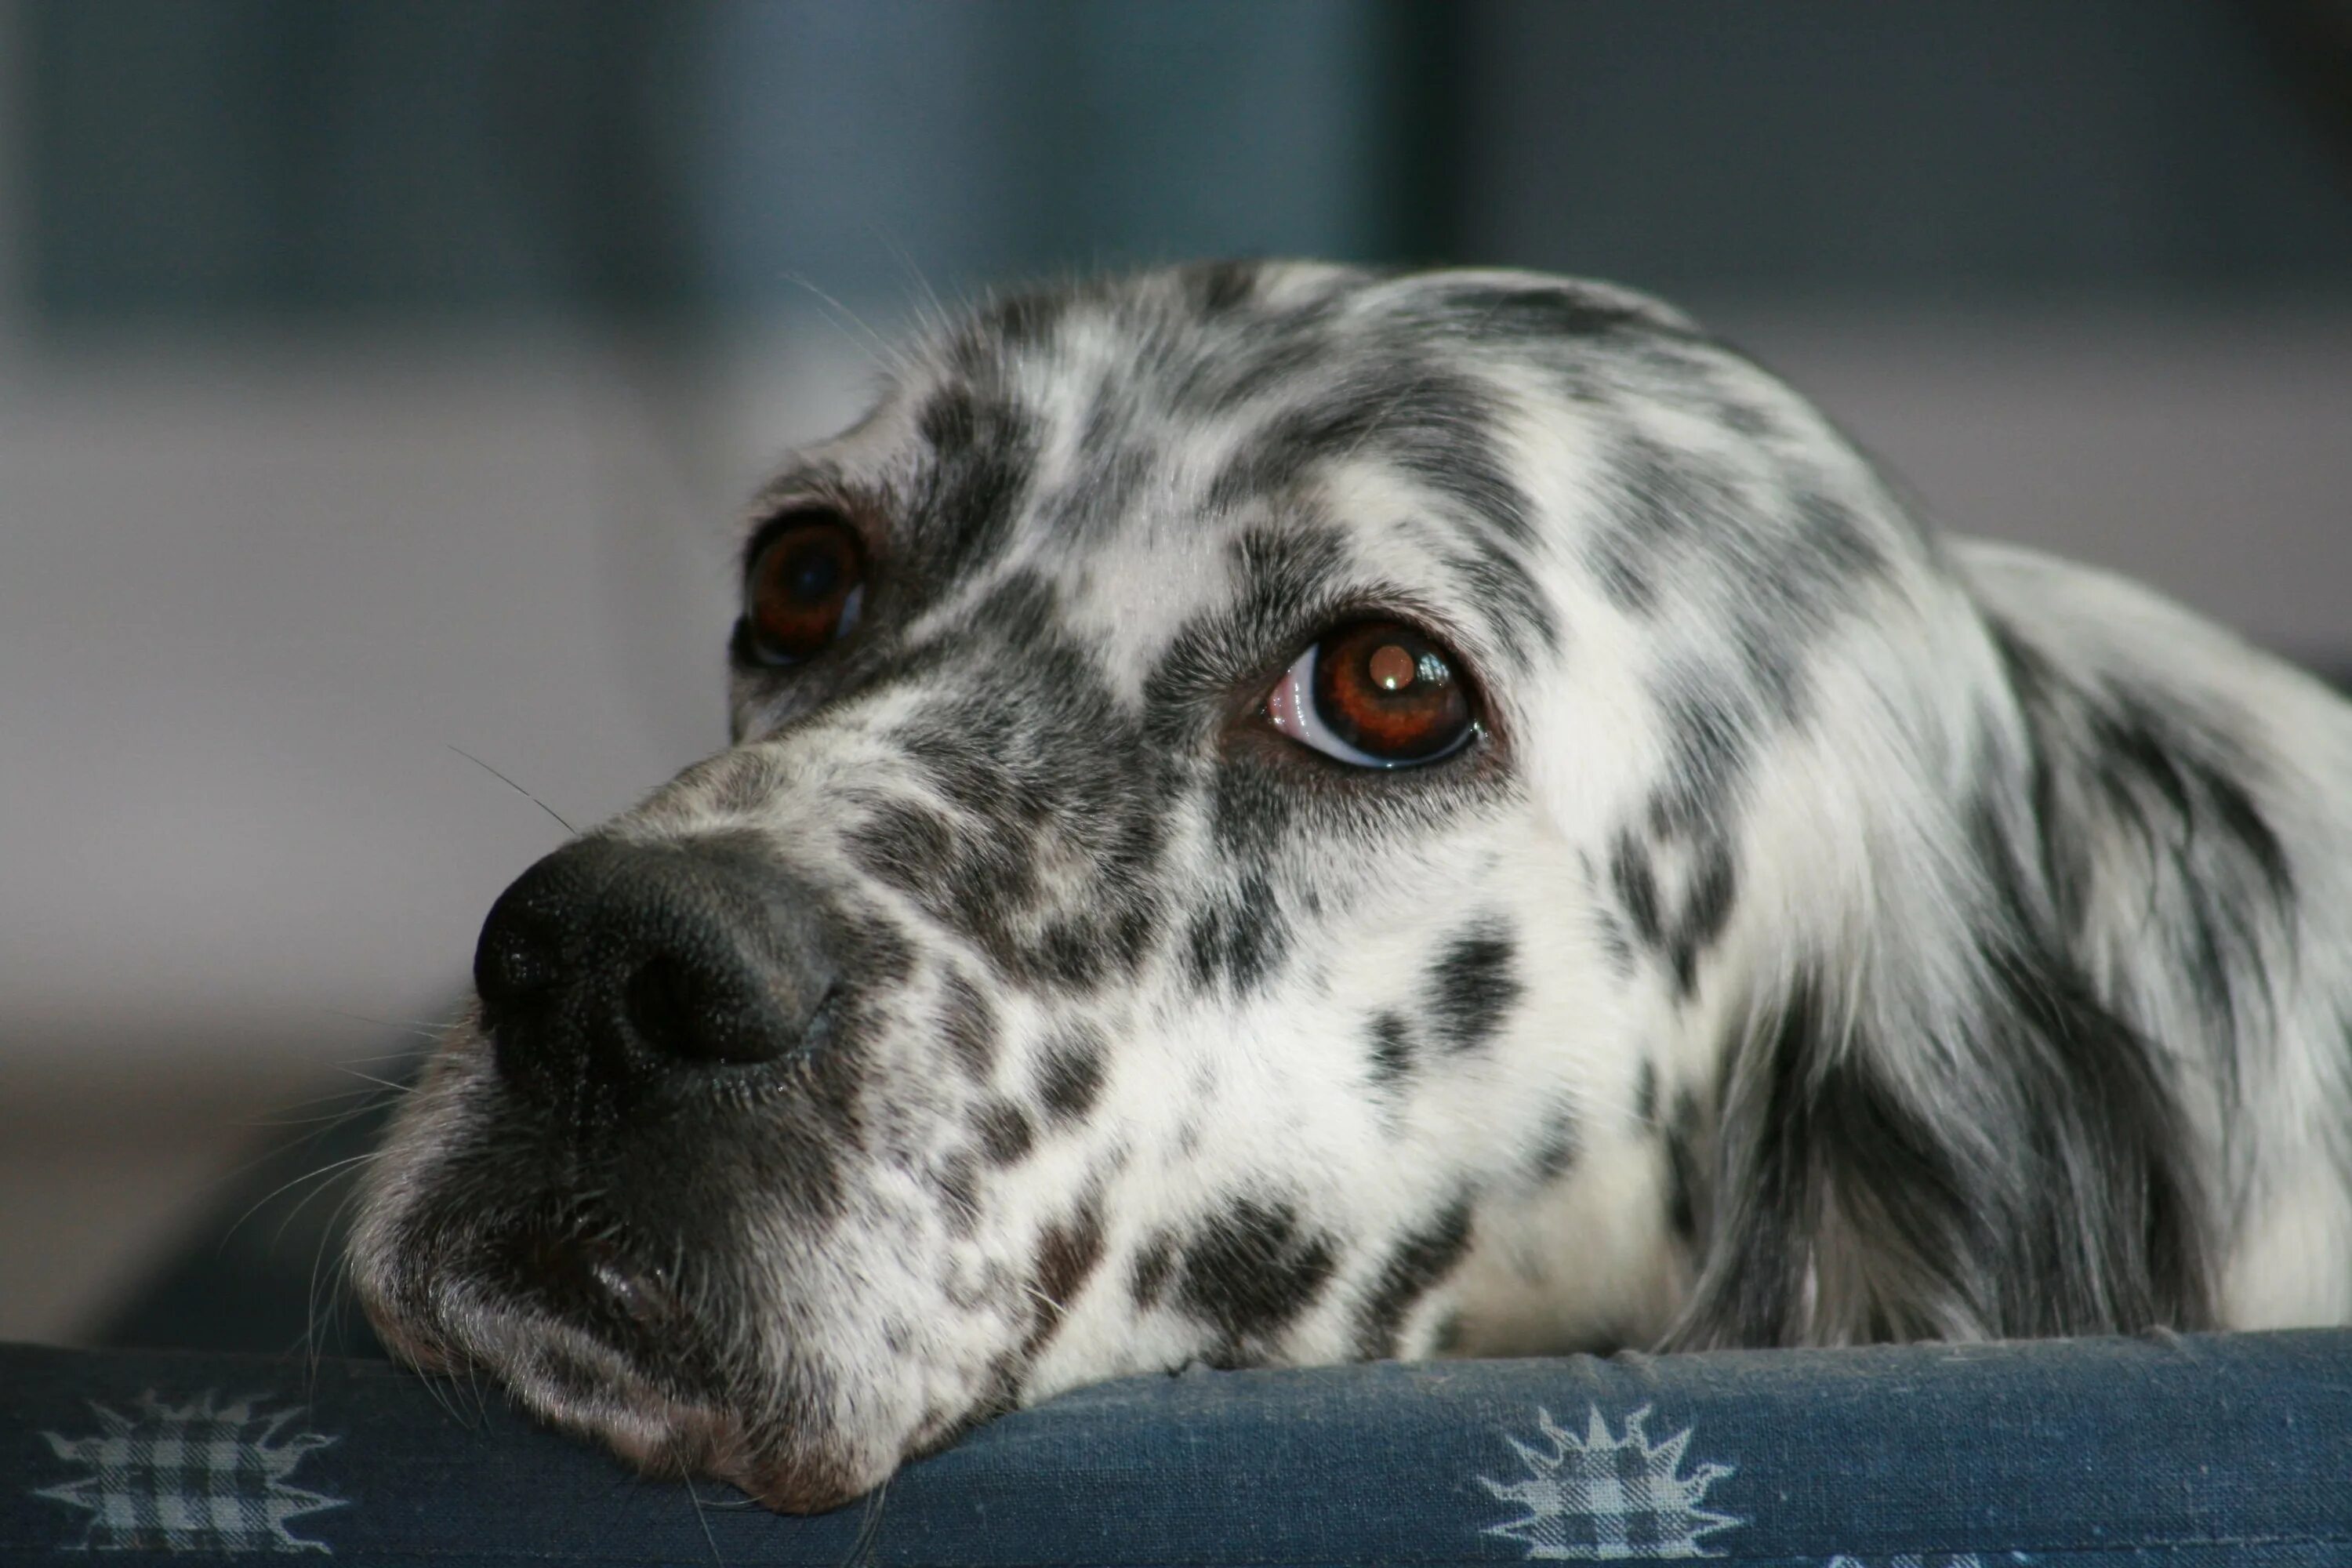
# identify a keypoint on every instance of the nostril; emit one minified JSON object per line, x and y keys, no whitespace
{"x":687,"y":1010}
{"x":511,"y":965}
{"x":661,"y":1002}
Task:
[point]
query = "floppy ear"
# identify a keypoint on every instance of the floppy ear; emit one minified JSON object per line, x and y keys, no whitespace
{"x":1941,"y":1150}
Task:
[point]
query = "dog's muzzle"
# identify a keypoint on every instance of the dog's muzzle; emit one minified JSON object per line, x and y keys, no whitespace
{"x":663,"y":1066}
{"x":617,"y":981}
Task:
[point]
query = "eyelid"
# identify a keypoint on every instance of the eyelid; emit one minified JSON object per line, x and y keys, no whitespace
{"x":776,"y":515}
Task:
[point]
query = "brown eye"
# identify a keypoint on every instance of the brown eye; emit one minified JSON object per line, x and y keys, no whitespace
{"x":805,"y":587}
{"x":1377,"y":694}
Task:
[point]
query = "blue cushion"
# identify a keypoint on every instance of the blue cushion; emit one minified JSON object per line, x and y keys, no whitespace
{"x":2179,"y":1449}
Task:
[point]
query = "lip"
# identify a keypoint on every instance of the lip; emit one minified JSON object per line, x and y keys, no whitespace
{"x":576,"y":1380}
{"x":590,"y":1283}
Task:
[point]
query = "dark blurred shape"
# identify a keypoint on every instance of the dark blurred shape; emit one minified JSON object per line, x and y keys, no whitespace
{"x":262,"y":1269}
{"x":1845,"y":148}
{"x":276,"y":156}
{"x":256,"y":156}
{"x":2311,"y":47}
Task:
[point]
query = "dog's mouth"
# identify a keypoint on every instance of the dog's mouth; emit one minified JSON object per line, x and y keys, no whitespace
{"x":590,"y":1282}
{"x":596,"y":1339}
{"x":564,"y":1296}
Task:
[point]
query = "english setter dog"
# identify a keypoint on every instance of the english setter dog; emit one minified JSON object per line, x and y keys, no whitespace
{"x":1281,"y":815}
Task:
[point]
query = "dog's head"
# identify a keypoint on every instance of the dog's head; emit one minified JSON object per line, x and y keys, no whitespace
{"x":1245,"y":788}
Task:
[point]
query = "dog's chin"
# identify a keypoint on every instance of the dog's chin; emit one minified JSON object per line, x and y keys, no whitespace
{"x":577,"y":1382}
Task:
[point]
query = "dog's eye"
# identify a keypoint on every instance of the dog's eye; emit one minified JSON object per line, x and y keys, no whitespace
{"x":1376,"y":694}
{"x":805,"y":587}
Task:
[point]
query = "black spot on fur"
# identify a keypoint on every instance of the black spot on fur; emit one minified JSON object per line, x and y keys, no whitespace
{"x":1250,"y":1273}
{"x":1707,"y":910}
{"x":1660,"y":503}
{"x":874,"y":950}
{"x":1005,"y":1133}
{"x":1625,"y":579}
{"x":1238,"y":940}
{"x":1068,"y":1254}
{"x":1771,"y":558}
{"x":1418,"y":1262}
{"x":2064,"y":854}
{"x":1066,"y":952}
{"x":1745,"y":418}
{"x":1391,"y":1049}
{"x":968,"y":1023}
{"x":1280,"y":568}
{"x":1071,"y":1076}
{"x":1251,"y":809}
{"x":1839,"y":550}
{"x":970,"y":770}
{"x":1637,"y":888}
{"x":1689,"y":816}
{"x":1217,"y":287}
{"x":1013,"y":323}
{"x":949,"y":419}
{"x":1507,"y":595}
{"x":1646,"y":1094}
{"x":958,"y":1184}
{"x":1616,"y":947}
{"x":1515,"y":314}
{"x":1274,"y":350}
{"x":968,"y":497}
{"x":1694,"y":811}
{"x":1681,"y":1135}
{"x":1557,"y":1149}
{"x":1155,"y":1263}
{"x":1708,"y":746}
{"x":1102,"y":491}
{"x":908,"y":846}
{"x":1472,"y":988}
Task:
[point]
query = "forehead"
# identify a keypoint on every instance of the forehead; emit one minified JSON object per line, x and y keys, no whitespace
{"x":1277,"y":440}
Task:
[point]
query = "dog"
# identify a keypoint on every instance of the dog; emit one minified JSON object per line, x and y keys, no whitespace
{"x":1280,"y":815}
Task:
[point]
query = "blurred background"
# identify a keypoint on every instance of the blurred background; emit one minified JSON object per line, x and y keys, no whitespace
{"x":379,"y":382}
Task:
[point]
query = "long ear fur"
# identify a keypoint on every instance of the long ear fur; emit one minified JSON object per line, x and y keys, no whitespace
{"x":1941,"y":1149}
{"x":1847,"y":1208}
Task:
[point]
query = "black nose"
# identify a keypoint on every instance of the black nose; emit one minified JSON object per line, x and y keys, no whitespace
{"x":614,"y":964}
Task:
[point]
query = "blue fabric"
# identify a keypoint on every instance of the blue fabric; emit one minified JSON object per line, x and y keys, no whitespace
{"x":2179,"y":1450}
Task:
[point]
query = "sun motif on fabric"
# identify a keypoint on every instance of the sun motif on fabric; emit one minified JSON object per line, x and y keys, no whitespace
{"x":1603,"y":1497}
{"x":200,"y":1477}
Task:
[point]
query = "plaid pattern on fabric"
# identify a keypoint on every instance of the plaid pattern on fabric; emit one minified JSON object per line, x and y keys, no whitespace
{"x":2177,"y":1450}
{"x":200,"y":1477}
{"x":1602,"y":1498}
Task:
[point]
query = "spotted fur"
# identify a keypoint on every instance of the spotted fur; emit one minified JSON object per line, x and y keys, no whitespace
{"x":1835,"y":933}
